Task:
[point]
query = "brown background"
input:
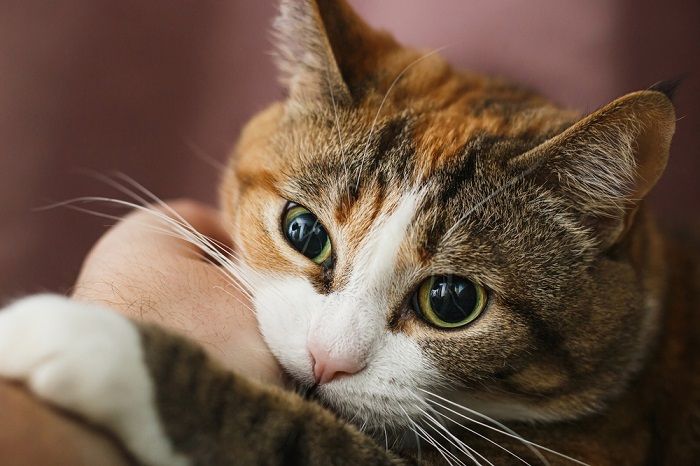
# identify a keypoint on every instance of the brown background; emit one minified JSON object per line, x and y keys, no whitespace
{"x":158,"y":89}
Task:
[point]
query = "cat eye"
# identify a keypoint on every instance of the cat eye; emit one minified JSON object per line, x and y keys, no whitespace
{"x":449,"y":301}
{"x":305,"y":233}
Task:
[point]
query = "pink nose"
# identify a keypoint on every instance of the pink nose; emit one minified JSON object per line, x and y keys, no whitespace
{"x":327,"y":368}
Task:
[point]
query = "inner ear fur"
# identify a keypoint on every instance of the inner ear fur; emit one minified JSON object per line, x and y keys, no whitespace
{"x":325,"y":52}
{"x":606,"y":163}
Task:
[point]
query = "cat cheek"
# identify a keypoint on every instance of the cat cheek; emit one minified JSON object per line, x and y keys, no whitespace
{"x":283,"y":309}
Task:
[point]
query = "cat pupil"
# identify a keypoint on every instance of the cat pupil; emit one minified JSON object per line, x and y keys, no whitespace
{"x":453,"y":299}
{"x":307,"y":235}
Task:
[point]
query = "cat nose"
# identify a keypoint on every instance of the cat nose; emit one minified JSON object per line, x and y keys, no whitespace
{"x":327,"y":367}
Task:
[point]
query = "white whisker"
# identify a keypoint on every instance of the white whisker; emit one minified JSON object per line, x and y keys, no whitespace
{"x":337,"y":127}
{"x":477,"y":434}
{"x":466,"y":449}
{"x":468,"y":429}
{"x":199,"y":153}
{"x":182,"y":231}
{"x":418,"y":449}
{"x":441,"y":448}
{"x":386,"y":437}
{"x":419,"y":432}
{"x":504,"y":429}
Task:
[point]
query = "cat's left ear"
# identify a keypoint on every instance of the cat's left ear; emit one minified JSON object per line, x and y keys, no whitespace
{"x":325,"y":52}
{"x":608,"y":162}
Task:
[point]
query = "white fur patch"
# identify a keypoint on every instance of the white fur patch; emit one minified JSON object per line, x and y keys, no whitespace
{"x":290,"y":312}
{"x":87,"y":360}
{"x":284,"y":307}
{"x":351,"y":323}
{"x":377,"y":258}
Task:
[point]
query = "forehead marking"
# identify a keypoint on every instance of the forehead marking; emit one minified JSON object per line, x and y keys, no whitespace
{"x":376,"y":259}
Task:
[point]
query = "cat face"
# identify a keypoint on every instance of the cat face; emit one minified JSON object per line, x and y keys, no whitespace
{"x":468,"y":238}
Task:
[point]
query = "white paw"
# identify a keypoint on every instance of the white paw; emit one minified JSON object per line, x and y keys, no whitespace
{"x":87,"y":360}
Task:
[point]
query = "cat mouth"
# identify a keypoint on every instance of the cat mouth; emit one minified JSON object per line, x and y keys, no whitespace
{"x":289,"y":382}
{"x":346,"y":408}
{"x":304,"y":389}
{"x":311,"y":392}
{"x":308,"y":391}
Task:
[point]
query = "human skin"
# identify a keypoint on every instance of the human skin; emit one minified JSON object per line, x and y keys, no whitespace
{"x":140,"y":271}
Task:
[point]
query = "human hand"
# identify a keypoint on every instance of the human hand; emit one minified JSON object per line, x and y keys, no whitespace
{"x":150,"y":276}
{"x":32,"y":433}
{"x":142,"y":272}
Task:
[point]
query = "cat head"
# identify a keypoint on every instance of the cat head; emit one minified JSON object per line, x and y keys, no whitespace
{"x":407,"y":228}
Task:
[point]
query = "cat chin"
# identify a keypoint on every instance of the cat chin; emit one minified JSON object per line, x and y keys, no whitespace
{"x":371,"y":409}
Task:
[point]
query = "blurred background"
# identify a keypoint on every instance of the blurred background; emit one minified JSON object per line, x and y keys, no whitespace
{"x":159,"y":89}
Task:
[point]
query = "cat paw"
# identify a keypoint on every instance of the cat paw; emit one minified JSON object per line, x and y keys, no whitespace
{"x":89,"y":361}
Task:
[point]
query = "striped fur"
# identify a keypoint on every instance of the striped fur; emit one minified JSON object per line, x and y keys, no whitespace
{"x":586,"y":346}
{"x":540,"y":205}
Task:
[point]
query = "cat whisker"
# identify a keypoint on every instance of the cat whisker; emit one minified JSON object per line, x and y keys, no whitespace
{"x":155,"y":199}
{"x":170,"y":233}
{"x":337,"y":127}
{"x":472,"y":431}
{"x":182,"y":231}
{"x":386,"y":437}
{"x":504,"y":430}
{"x":151,"y":198}
{"x":240,"y":301}
{"x":527,"y":443}
{"x":200,"y":154}
{"x":454,"y":441}
{"x":419,"y":452}
{"x":364,"y":424}
{"x":446,"y":454}
{"x":430,"y":441}
{"x":421,"y":433}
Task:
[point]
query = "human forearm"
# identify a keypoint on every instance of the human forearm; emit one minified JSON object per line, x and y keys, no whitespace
{"x":33,"y":433}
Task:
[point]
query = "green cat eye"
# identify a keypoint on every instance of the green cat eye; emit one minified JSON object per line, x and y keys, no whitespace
{"x":448,"y":301}
{"x":306,"y":234}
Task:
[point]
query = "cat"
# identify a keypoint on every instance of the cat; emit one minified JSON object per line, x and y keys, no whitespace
{"x":431,"y":252}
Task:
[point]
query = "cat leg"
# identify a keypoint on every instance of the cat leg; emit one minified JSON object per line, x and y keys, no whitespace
{"x":90,"y":361}
{"x":220,"y":418}
{"x":163,"y":397}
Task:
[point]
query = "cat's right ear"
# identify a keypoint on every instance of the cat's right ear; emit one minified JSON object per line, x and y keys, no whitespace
{"x":326,"y":53}
{"x":608,"y":162}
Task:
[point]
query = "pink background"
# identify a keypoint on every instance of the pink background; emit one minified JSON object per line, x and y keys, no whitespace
{"x":158,"y":89}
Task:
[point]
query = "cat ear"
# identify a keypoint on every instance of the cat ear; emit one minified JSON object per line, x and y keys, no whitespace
{"x":325,"y":51}
{"x":609,"y":161}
